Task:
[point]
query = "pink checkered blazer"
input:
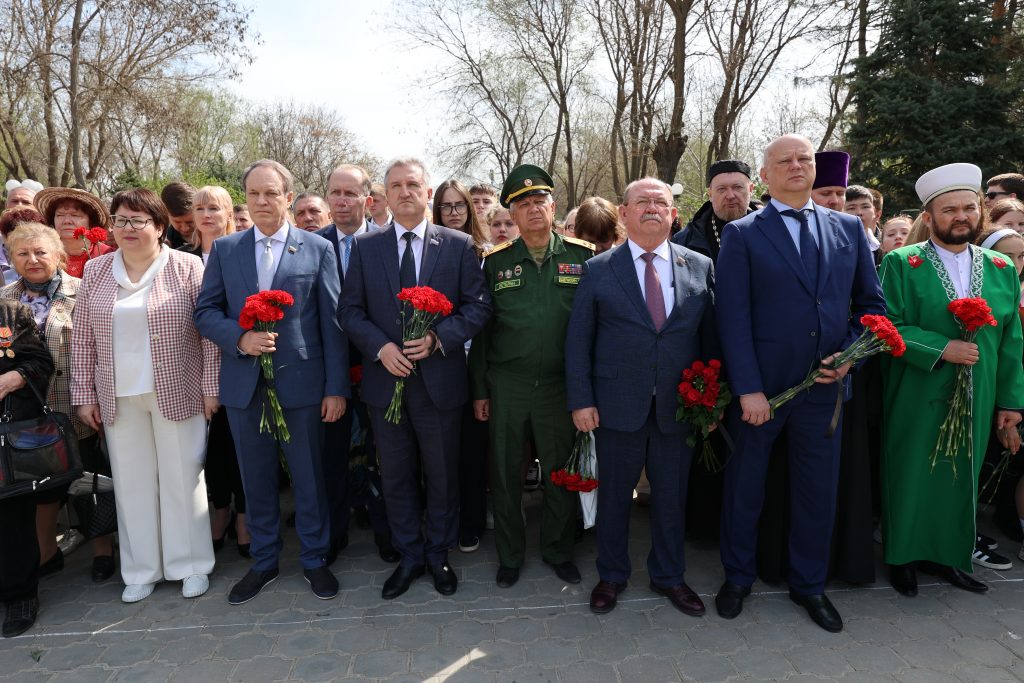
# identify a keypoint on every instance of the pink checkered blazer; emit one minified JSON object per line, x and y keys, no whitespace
{"x":186,"y":367}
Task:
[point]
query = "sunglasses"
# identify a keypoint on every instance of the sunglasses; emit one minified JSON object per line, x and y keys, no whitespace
{"x":993,"y":195}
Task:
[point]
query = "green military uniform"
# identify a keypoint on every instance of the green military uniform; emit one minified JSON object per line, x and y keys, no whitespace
{"x":518,"y":363}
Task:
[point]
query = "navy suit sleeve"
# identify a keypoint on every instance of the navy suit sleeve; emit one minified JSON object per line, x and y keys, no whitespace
{"x":474,"y":305}
{"x":335,"y":345}
{"x":733,"y":313}
{"x":355,"y":320}
{"x":210,"y":313}
{"x":866,"y":296}
{"x":579,"y":346}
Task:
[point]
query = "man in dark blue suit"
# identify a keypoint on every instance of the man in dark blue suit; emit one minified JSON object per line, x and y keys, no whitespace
{"x":348,"y":195}
{"x":642,"y":314}
{"x":409,"y":252}
{"x":312,"y":390}
{"x":793,"y":281}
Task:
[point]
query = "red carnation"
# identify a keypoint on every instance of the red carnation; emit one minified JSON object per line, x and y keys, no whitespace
{"x":355,"y":374}
{"x":80,"y":232}
{"x":999,"y":263}
{"x":263,"y":311}
{"x":914,"y":260}
{"x":715,"y":363}
{"x":973,"y":313}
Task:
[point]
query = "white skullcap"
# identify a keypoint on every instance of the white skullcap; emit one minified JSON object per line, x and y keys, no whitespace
{"x":27,"y":184}
{"x":947,"y":179}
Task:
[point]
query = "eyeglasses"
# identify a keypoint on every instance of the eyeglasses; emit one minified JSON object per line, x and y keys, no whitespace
{"x":457,"y":207}
{"x":123,"y":222}
{"x":993,"y":195}
{"x":659,"y":204}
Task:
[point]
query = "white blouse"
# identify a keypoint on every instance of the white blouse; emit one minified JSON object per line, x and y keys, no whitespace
{"x":133,"y":359}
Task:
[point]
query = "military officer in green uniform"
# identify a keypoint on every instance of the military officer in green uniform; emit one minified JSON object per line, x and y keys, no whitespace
{"x":517,"y":371}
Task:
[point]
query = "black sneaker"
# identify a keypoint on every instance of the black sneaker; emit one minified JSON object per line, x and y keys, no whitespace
{"x":323,"y":582}
{"x":21,"y":614}
{"x":990,"y":559}
{"x":986,"y":542}
{"x":469,"y":543}
{"x":250,"y":586}
{"x":532,"y":482}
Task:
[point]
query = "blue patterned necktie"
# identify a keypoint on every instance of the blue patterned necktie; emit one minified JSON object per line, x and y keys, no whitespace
{"x":347,"y":253}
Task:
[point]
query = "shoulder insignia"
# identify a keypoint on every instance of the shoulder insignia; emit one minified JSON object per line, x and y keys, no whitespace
{"x":495,"y":250}
{"x":580,"y":243}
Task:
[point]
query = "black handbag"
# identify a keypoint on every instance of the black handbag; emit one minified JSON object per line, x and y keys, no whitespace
{"x":96,"y":510}
{"x":37,"y":454}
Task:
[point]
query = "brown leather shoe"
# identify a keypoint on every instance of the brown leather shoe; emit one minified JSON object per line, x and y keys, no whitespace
{"x":604,"y":596}
{"x":683,"y":597}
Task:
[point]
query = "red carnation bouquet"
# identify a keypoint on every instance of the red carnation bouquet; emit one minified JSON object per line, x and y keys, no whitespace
{"x":879,"y":336}
{"x":579,"y":474}
{"x":90,"y":237}
{"x":262,"y":311}
{"x":355,"y":375}
{"x":972,"y":314}
{"x":427,"y":305}
{"x":702,"y":402}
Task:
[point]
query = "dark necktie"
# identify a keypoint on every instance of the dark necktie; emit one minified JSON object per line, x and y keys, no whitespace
{"x":652,"y":292}
{"x":808,"y":247}
{"x":407,"y":271}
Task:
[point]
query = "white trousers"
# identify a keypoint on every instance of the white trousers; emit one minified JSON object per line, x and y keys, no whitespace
{"x":162,"y":511}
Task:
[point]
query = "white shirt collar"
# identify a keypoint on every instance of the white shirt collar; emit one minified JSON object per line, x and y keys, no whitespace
{"x":636,"y":251}
{"x":280,"y":236}
{"x":780,"y":207}
{"x":359,"y":231}
{"x":952,"y":254}
{"x":420,"y":230}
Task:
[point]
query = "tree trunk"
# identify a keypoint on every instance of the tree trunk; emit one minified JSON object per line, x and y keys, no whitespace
{"x":75,"y":134}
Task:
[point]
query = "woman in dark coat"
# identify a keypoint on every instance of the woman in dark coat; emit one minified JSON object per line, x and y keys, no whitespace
{"x":24,"y":359}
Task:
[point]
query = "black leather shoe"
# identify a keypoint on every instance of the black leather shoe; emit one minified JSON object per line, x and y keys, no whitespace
{"x":605,"y":596}
{"x":218,"y":543}
{"x":102,"y":568}
{"x":52,"y":565}
{"x":21,"y":614}
{"x":400,"y":580}
{"x":243,"y":550}
{"x":729,"y":601}
{"x":336,"y":547}
{"x":954,"y":576}
{"x":386,"y":551}
{"x":566,"y":571}
{"x":362,"y":517}
{"x":445,"y":581}
{"x":507,"y":576}
{"x":820,"y":609}
{"x":903,"y":578}
{"x":250,"y":586}
{"x":323,"y":582}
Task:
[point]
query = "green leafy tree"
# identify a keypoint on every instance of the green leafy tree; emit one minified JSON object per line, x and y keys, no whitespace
{"x":940,"y":88}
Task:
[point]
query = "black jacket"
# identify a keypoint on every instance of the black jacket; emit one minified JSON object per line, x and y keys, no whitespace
{"x":30,"y":357}
{"x":698,"y":234}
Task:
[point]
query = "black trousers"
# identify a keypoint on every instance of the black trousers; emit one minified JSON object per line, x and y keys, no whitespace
{"x":474,"y":444}
{"x":19,"y":549}
{"x":223,"y":478}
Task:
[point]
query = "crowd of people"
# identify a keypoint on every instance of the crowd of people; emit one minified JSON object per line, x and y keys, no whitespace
{"x":555,"y":328}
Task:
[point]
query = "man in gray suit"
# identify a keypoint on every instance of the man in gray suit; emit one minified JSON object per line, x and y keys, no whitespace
{"x":642,"y":315}
{"x":410,"y":251}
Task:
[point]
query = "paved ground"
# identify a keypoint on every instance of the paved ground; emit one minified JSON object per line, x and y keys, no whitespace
{"x":540,"y":630}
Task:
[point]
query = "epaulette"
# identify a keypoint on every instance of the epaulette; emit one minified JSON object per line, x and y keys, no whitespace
{"x":580,"y":243}
{"x":496,"y":249}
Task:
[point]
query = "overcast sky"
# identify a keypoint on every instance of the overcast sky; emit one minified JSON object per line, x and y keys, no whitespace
{"x":347,"y":55}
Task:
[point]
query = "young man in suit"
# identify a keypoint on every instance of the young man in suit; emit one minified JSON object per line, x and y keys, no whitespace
{"x":311,"y":389}
{"x":410,"y":251}
{"x":348,"y":194}
{"x":793,"y":281}
{"x":642,"y":314}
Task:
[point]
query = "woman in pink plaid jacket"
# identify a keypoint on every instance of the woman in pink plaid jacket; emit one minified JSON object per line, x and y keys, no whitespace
{"x":141,"y":372}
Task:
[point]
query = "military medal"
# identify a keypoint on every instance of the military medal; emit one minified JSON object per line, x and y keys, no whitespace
{"x":500,"y":275}
{"x":518,"y":271}
{"x":9,"y":353}
{"x":6,"y":339}
{"x":508,"y":274}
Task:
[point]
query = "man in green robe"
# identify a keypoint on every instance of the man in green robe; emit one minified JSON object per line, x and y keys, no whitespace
{"x":928,"y":512}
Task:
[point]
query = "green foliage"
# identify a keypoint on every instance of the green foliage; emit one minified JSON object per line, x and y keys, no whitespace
{"x":938,"y":89}
{"x":214,"y":173}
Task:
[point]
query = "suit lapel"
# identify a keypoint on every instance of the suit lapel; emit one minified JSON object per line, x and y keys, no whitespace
{"x":829,"y":240}
{"x":330,"y":233}
{"x":292,"y":248}
{"x":389,"y":256}
{"x":681,"y":277}
{"x":770,"y":223}
{"x":431,"y":247}
{"x":622,"y":266}
{"x":247,"y":258}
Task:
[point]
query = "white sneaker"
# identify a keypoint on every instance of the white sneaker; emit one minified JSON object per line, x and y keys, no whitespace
{"x":137,"y":591}
{"x":194,"y":586}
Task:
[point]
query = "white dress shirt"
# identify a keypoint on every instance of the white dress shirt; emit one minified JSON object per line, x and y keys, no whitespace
{"x":133,"y":358}
{"x":417,"y":243}
{"x":277,"y":243}
{"x":662,"y":264}
{"x":793,"y":224}
{"x":959,"y":268}
{"x":341,"y":242}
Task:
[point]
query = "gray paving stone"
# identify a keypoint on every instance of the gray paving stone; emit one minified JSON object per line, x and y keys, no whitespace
{"x":879,"y":659}
{"x":552,"y":652}
{"x":717,"y":638}
{"x":925,"y":676}
{"x":528,"y":673}
{"x":982,"y":651}
{"x":355,"y":639}
{"x":586,"y":672}
{"x":129,"y":653}
{"x":974,"y":673}
{"x":380,"y":664}
{"x":818,"y":661}
{"x":145,"y":672}
{"x":70,"y":656}
{"x":768,"y":664}
{"x":245,"y":646}
{"x":262,"y":670}
{"x":705,"y":666}
{"x":649,"y":669}
{"x":610,"y":648}
{"x":928,"y":655}
{"x":499,"y":655}
{"x":935,"y":629}
{"x":321,"y":667}
{"x":210,"y":670}
{"x":188,"y":649}
{"x":872,"y":630}
{"x":431,"y":661}
{"x":466,"y":632}
{"x":519,"y":630}
{"x":573,"y":625}
{"x":84,"y":674}
{"x":303,"y":643}
{"x":414,"y":636}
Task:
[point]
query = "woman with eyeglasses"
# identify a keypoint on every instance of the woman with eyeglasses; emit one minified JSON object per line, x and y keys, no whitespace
{"x":453,"y":208}
{"x":141,"y":372}
{"x":65,"y":210}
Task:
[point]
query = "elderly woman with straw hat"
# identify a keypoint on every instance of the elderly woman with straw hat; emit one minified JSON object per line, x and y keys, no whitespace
{"x":66,"y":209}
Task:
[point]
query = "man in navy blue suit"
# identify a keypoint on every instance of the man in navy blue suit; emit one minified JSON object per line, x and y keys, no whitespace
{"x":793,"y":281}
{"x":348,"y":195}
{"x":312,"y":391}
{"x":642,"y":314}
{"x":410,"y":251}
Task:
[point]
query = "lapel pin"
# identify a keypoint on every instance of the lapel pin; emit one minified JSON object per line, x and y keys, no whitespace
{"x":292,"y":249}
{"x":434,"y":241}
{"x":680,"y":261}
